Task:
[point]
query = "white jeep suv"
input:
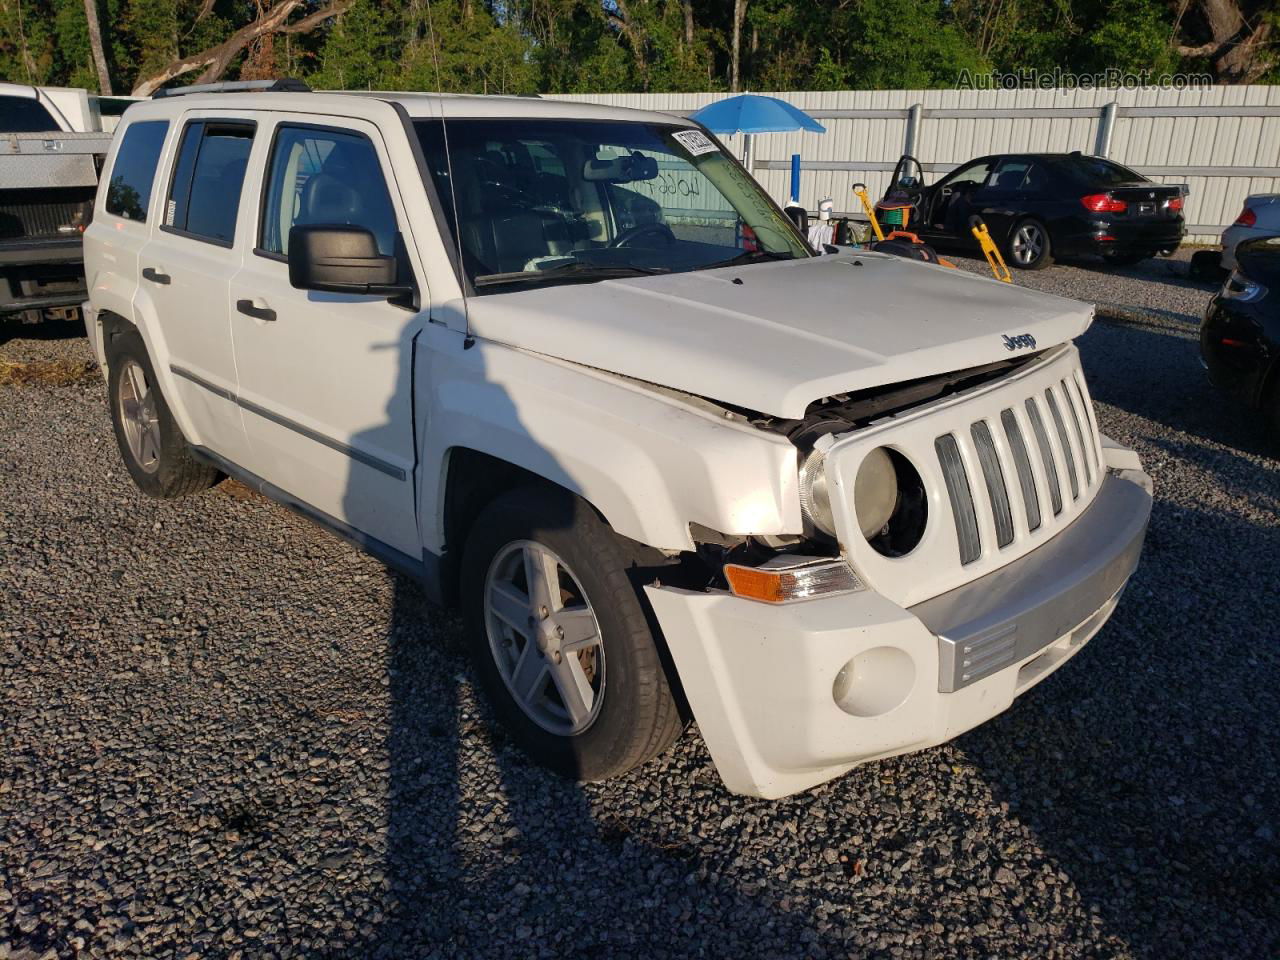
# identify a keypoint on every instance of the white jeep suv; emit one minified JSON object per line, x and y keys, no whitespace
{"x":570,"y":367}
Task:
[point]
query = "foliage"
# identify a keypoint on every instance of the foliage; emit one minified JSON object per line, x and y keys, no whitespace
{"x":526,"y":46}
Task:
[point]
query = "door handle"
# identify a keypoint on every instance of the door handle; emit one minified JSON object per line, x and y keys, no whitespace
{"x":258,"y":313}
{"x":154,"y":275}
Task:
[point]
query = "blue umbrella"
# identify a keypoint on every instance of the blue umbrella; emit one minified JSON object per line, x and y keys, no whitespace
{"x":752,"y":113}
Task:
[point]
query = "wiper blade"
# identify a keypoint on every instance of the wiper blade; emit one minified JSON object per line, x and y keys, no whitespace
{"x":749,"y":256}
{"x":570,"y":272}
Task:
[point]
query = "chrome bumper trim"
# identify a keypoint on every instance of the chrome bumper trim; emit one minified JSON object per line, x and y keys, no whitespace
{"x":1024,"y":606}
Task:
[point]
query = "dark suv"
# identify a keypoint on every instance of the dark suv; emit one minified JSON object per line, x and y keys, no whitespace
{"x":1240,"y":336}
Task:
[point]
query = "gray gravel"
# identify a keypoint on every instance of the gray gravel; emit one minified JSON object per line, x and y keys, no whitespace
{"x":224,"y":733}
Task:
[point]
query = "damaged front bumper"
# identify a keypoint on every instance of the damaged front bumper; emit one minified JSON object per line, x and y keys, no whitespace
{"x":789,"y":696}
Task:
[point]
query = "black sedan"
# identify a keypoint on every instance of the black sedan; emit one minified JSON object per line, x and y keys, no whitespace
{"x":1240,"y":336}
{"x":1044,"y":205}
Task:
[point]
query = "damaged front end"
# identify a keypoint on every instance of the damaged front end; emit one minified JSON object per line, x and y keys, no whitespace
{"x":890,"y":498}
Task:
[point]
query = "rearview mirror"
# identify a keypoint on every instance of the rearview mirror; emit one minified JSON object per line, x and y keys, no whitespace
{"x":341,"y":259}
{"x":626,"y":169}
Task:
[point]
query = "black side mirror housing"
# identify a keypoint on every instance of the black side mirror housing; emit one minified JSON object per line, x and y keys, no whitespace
{"x":342,"y":259}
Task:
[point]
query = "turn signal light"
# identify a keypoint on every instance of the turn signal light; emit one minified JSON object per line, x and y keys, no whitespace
{"x":787,"y":578}
{"x":1103,"y":203}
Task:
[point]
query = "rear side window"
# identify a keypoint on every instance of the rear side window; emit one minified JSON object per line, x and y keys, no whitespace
{"x":129,"y":191}
{"x":204,"y":197}
{"x":326,"y":177}
{"x":1011,"y":175}
{"x":24,"y":115}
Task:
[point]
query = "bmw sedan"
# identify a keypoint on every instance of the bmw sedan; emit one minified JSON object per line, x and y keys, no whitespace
{"x":1039,"y":206}
{"x":1240,"y":336}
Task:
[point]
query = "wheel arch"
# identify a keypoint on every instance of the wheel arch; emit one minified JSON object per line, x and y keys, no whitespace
{"x":473,"y":479}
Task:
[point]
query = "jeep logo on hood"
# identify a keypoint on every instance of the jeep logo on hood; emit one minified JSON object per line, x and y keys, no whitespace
{"x":1019,"y":342}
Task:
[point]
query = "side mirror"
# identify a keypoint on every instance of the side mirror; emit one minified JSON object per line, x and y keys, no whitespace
{"x":341,"y":260}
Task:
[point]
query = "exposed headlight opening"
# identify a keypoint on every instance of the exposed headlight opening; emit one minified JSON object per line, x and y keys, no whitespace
{"x":812,"y":440}
{"x":815,"y":496}
{"x":890,"y":502}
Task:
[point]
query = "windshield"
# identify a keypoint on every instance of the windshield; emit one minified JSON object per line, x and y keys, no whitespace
{"x":549,"y":201}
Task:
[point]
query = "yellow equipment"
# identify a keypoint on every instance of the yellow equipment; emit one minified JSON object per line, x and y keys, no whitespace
{"x":897,"y":214}
{"x":990,"y":250}
{"x":860,"y":191}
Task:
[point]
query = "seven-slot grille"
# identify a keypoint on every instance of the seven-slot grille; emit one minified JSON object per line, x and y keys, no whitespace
{"x":1040,"y":457}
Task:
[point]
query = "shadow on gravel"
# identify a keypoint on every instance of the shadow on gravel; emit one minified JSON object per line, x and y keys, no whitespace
{"x":1174,"y":273}
{"x":490,"y":855}
{"x":1165,"y":823}
{"x":15,"y":327}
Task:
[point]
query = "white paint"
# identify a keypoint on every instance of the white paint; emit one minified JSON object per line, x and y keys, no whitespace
{"x":603,"y":389}
{"x":790,"y":333}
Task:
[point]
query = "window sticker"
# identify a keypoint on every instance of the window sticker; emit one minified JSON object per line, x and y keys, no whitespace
{"x":695,"y":141}
{"x":170,"y":210}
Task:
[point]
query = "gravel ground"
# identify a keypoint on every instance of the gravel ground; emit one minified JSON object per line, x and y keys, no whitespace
{"x":227,"y":734}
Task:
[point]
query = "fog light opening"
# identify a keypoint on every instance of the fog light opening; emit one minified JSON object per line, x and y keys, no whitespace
{"x":874,"y":682}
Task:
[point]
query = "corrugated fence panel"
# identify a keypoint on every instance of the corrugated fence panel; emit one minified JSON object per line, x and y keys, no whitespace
{"x":1179,"y":136}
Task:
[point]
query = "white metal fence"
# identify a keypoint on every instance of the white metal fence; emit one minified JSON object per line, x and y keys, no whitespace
{"x":1223,"y":142}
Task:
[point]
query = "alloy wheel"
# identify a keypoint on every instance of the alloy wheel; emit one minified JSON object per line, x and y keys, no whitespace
{"x":1028,"y":244}
{"x":544,"y":638}
{"x":138,"y":416}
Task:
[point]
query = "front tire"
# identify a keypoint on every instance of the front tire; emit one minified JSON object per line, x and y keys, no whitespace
{"x":154,"y":451}
{"x":1029,"y":247}
{"x":560,"y":638}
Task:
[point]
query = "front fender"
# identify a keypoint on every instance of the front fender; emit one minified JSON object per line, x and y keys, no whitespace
{"x":650,"y":463}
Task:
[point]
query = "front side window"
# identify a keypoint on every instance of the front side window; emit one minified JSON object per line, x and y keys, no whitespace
{"x":134,"y":172}
{"x":972,"y":175}
{"x":325,"y":177}
{"x":204,"y":197}
{"x":536,"y":201}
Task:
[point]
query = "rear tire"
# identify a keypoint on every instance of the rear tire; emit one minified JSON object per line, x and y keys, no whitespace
{"x":154,"y":451}
{"x":1028,"y":246}
{"x":617,"y":709}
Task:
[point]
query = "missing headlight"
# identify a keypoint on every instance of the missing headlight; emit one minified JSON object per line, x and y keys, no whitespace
{"x":890,"y":502}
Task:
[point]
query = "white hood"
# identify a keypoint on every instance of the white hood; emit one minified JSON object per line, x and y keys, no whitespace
{"x":775,"y":336}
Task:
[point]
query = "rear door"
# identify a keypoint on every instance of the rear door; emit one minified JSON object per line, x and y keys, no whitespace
{"x":125,"y":215}
{"x":1016,"y":189}
{"x":186,"y":271}
{"x":325,"y":379}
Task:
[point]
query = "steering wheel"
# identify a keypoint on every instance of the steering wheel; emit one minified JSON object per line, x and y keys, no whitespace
{"x":626,"y":237}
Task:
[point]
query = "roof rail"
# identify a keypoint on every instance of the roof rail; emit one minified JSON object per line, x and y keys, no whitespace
{"x":279,"y":85}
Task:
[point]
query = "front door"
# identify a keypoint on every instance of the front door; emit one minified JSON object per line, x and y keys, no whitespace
{"x":325,"y":378}
{"x":951,"y":202}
